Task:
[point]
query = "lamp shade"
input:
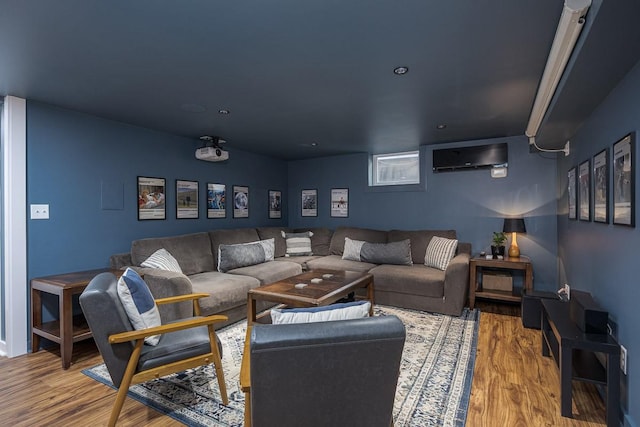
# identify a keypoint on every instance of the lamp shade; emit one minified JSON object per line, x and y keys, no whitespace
{"x":512,"y":225}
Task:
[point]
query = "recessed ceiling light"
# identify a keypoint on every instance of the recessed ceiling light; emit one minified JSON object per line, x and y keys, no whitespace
{"x":441,"y":126}
{"x":193,"y":108}
{"x":314,"y":144}
{"x":400,"y":70}
{"x":224,"y":111}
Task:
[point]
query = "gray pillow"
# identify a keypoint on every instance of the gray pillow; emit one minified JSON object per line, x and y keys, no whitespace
{"x":244,"y":254}
{"x":398,"y":253}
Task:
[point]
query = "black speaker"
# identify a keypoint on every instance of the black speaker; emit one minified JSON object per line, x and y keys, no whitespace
{"x":531,"y":307}
{"x":586,"y":313}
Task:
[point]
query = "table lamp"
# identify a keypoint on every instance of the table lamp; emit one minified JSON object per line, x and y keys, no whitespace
{"x":513,"y":226}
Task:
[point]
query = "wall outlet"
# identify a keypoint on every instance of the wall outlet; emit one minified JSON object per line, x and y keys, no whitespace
{"x":623,"y":359}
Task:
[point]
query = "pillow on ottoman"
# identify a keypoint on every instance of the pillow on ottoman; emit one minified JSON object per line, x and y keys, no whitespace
{"x":341,"y":311}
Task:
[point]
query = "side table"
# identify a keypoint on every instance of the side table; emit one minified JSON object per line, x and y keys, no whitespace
{"x":574,"y":353}
{"x":476,"y":265}
{"x":66,"y":330}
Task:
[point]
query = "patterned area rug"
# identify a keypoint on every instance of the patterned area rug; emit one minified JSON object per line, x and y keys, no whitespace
{"x":433,"y":387}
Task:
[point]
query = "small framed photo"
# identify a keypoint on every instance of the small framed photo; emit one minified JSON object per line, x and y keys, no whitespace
{"x":275,"y":204}
{"x":601,"y":186}
{"x":584,"y":188}
{"x":216,"y":200}
{"x":623,"y":181}
{"x":151,"y":198}
{"x":186,"y":199}
{"x":309,"y":202}
{"x":571,"y":192}
{"x":339,"y":202}
{"x":240,"y":201}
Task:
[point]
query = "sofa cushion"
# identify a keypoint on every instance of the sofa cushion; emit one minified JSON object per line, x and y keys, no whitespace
{"x":419,"y":240}
{"x":244,"y":254}
{"x":192,"y":251}
{"x":275,"y":234}
{"x":269,"y":272}
{"x":335,"y":262}
{"x":355,"y":233}
{"x":320,"y":240}
{"x":226,"y":290}
{"x":439,"y":252}
{"x":298,"y":244}
{"x":163,"y":260}
{"x":138,"y":303}
{"x":416,"y":279}
{"x":378,"y":253}
{"x":231,"y":237}
{"x":340,"y":311}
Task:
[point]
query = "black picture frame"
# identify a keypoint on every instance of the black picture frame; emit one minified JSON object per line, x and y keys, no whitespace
{"x":309,"y":202}
{"x":187,"y":203}
{"x":152,"y":193}
{"x":571,"y":193}
{"x":240,"y":201}
{"x":601,"y":187}
{"x":275,"y":204}
{"x":624,"y":211}
{"x":584,"y":191}
{"x":339,"y":202}
{"x":216,"y":201}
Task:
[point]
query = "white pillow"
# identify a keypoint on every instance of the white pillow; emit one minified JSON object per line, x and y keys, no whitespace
{"x":341,"y":311}
{"x":352,"y":249}
{"x":439,"y":252}
{"x":298,"y":244}
{"x":163,"y":260}
{"x":139,"y":304}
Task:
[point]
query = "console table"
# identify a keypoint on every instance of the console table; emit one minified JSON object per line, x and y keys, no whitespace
{"x":573,"y":351}
{"x":67,"y":329}
{"x":476,"y":265}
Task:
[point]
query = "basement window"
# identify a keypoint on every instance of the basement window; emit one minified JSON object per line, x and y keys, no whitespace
{"x":395,"y":168}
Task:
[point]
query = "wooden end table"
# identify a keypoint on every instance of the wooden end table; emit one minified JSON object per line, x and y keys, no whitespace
{"x":476,"y":265}
{"x":67,"y":329}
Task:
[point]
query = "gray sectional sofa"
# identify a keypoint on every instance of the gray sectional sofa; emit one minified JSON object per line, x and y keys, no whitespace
{"x":411,"y":286}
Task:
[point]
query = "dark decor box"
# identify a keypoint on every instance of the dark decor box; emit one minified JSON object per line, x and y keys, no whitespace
{"x":587,"y":314}
{"x":531,"y":307}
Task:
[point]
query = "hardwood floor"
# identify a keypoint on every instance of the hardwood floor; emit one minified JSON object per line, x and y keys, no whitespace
{"x":513,"y":385}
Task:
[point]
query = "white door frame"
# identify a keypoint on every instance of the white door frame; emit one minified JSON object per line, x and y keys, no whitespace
{"x":14,"y":158}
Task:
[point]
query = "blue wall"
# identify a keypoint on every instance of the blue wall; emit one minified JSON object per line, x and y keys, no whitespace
{"x":469,"y":201}
{"x":70,"y":156}
{"x":601,"y":258}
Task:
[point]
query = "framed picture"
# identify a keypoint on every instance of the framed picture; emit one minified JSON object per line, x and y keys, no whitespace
{"x":584,"y":188}
{"x":240,"y":201}
{"x":601,"y":186}
{"x":216,"y":200}
{"x":275,"y":204}
{"x":623,"y":181}
{"x":186,"y":199}
{"x":151,"y":198}
{"x":571,"y":192}
{"x":339,"y":202}
{"x":309,"y":202}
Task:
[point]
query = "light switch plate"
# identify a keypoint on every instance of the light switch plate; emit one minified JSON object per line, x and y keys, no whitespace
{"x":39,"y":211}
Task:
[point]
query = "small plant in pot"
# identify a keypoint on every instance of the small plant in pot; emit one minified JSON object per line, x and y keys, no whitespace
{"x":498,"y":240}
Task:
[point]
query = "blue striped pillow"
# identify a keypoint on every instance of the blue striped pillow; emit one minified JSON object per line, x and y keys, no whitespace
{"x":139,"y":304}
{"x":439,"y":252}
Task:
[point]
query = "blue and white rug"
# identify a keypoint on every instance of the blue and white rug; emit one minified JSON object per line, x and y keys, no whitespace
{"x":433,"y":388}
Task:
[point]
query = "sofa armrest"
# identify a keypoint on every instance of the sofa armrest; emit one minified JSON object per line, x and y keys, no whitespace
{"x":456,"y":284}
{"x":163,"y":284}
{"x":120,"y":261}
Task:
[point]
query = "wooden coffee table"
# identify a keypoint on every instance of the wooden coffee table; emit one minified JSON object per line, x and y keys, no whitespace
{"x":326,"y":292}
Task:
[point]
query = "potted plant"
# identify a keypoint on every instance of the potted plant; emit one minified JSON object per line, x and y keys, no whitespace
{"x":498,"y":240}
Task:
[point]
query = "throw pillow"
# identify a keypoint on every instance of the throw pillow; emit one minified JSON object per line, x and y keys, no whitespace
{"x":139,"y":304}
{"x":439,"y":252}
{"x":341,"y":311}
{"x":245,"y":254}
{"x":298,"y":244}
{"x":398,"y":253}
{"x":163,"y":260}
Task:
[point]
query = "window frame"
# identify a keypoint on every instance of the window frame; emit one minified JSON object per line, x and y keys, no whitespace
{"x":373,"y":177}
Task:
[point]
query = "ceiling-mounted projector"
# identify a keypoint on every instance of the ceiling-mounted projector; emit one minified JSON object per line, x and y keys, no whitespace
{"x":212,"y":152}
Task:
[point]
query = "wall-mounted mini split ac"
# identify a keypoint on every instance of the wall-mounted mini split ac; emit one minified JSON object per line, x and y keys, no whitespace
{"x":212,"y":151}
